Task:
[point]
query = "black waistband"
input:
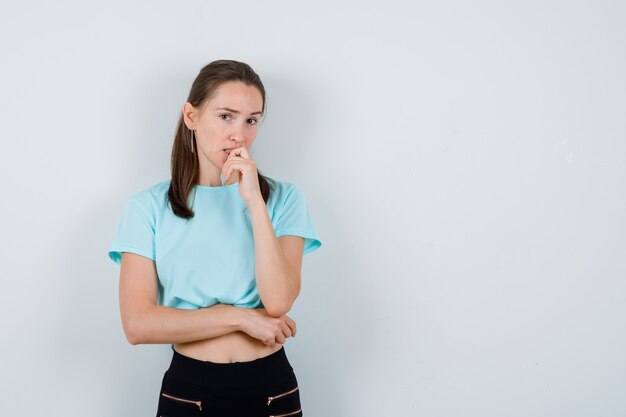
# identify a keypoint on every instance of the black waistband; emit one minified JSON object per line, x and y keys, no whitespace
{"x":236,"y":374}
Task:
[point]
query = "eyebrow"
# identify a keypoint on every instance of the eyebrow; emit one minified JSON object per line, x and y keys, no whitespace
{"x":235,"y":111}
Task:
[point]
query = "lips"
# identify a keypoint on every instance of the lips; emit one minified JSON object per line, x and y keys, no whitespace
{"x":227,"y":151}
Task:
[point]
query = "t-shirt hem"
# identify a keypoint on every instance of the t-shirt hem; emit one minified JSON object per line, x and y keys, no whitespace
{"x":307,"y":234}
{"x":115,"y":252}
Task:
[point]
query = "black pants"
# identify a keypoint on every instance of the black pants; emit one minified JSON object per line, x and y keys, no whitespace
{"x":264,"y":387}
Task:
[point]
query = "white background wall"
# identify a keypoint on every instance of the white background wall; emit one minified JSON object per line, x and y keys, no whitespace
{"x":463,"y":163}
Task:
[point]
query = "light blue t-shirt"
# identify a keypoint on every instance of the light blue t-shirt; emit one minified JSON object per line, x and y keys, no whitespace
{"x":209,"y":258}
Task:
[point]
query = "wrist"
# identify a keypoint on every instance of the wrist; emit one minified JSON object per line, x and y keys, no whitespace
{"x":233,"y":317}
{"x":256,"y":201}
{"x":239,"y":318}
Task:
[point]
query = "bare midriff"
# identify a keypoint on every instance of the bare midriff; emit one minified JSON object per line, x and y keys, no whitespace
{"x":237,"y":346}
{"x":232,"y":347}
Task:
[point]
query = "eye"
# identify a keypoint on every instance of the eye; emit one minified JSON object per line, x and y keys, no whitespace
{"x":253,"y":121}
{"x":225,"y":114}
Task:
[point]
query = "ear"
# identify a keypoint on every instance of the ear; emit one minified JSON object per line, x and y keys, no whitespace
{"x":189,"y":115}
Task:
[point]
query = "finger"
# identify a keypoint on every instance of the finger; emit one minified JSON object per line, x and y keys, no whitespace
{"x":225,"y":168}
{"x":230,"y":171}
{"x":232,"y":156}
{"x":242,"y":152}
{"x":280,"y":338}
{"x":229,"y":159}
{"x":286,"y":329}
{"x":227,"y":171}
{"x":292,"y":324}
{"x":231,"y":165}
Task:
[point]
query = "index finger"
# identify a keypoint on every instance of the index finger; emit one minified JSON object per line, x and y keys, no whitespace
{"x":241,"y":151}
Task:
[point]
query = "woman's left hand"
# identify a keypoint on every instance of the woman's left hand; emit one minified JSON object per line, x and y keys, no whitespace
{"x":242,"y":168}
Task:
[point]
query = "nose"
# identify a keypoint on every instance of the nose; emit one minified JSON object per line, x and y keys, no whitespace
{"x":237,"y":136}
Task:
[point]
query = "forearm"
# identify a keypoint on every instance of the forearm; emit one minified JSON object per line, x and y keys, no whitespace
{"x":160,"y":324}
{"x":274,"y":275}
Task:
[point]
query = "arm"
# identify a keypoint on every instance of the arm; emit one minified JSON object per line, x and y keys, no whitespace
{"x":146,"y":322}
{"x":278,"y":261}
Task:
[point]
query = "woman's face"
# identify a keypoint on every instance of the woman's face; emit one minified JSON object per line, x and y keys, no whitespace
{"x":229,"y":120}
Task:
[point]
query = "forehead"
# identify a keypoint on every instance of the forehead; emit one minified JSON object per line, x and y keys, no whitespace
{"x":238,"y":96}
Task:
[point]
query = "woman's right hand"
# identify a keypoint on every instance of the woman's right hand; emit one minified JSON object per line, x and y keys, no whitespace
{"x":268,"y":329}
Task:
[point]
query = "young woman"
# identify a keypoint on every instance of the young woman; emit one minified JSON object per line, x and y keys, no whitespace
{"x":211,"y":258}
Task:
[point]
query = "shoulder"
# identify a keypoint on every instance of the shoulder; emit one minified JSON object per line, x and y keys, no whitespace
{"x":152,"y":198}
{"x":290,"y":215}
{"x":282,"y":191}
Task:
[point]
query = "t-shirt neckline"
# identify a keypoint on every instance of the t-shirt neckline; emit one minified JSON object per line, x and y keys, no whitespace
{"x":219,"y":188}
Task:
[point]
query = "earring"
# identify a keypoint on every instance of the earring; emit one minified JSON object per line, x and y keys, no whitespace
{"x":191,"y":143}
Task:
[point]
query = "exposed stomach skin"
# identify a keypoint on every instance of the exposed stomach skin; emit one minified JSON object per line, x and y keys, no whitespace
{"x":237,"y":346}
{"x":232,"y":347}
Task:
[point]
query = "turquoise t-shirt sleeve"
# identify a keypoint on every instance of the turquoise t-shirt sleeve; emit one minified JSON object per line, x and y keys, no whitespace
{"x":293,"y":218}
{"x":135,"y":233}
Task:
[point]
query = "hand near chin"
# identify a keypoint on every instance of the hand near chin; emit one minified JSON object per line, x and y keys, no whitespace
{"x":240,"y":163}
